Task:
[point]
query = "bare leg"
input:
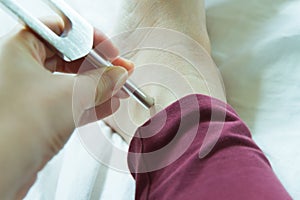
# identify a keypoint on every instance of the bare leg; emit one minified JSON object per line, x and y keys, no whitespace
{"x":187,"y":17}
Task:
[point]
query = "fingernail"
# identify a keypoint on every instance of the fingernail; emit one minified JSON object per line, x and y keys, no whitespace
{"x":129,"y":66}
{"x":128,"y":62}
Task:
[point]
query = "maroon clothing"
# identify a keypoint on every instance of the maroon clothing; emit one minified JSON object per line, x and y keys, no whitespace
{"x":201,"y":149}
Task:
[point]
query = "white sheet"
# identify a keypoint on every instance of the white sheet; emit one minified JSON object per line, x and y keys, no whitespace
{"x":256,"y":45}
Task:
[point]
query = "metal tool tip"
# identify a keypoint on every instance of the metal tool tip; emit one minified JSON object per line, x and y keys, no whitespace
{"x":149,"y":102}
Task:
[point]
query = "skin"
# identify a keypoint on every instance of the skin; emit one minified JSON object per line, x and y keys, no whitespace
{"x":38,"y":104}
{"x":38,"y":109}
{"x":178,"y":15}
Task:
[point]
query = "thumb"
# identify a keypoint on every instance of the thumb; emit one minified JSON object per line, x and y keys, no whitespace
{"x":96,"y":87}
{"x":110,"y":82}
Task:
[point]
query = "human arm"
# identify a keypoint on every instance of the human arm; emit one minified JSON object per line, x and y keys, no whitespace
{"x":37,"y":108}
{"x":171,"y":164}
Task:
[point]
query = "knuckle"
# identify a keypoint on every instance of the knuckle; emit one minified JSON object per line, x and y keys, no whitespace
{"x":30,"y":42}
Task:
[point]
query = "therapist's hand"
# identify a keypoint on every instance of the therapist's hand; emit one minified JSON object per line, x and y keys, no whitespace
{"x":38,"y":110}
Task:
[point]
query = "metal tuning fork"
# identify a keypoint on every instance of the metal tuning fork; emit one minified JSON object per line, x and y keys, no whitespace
{"x":76,"y":41}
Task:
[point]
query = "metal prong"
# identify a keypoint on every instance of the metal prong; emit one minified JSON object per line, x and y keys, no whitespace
{"x":146,"y":101}
{"x":76,"y":44}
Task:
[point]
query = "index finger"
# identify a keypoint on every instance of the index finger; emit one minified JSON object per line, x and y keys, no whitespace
{"x":55,"y":63}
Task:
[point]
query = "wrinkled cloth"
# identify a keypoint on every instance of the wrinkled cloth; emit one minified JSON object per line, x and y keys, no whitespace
{"x":221,"y":161}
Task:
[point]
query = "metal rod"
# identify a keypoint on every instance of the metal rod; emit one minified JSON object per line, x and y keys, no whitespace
{"x":146,"y":101}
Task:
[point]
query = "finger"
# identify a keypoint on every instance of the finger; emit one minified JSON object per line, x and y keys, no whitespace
{"x":55,"y":24}
{"x":42,"y":51}
{"x":27,"y":42}
{"x":102,"y":45}
{"x":99,"y":112}
{"x":128,"y":65}
{"x":96,"y":87}
{"x":26,"y":46}
{"x":53,"y":62}
{"x":110,"y":83}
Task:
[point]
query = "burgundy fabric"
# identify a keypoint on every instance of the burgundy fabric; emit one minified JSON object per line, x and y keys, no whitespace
{"x":235,"y":168}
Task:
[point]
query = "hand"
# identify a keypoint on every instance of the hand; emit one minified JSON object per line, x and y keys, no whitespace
{"x":36,"y":112}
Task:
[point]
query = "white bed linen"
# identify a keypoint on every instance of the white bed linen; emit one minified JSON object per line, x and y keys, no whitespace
{"x":256,"y":45}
